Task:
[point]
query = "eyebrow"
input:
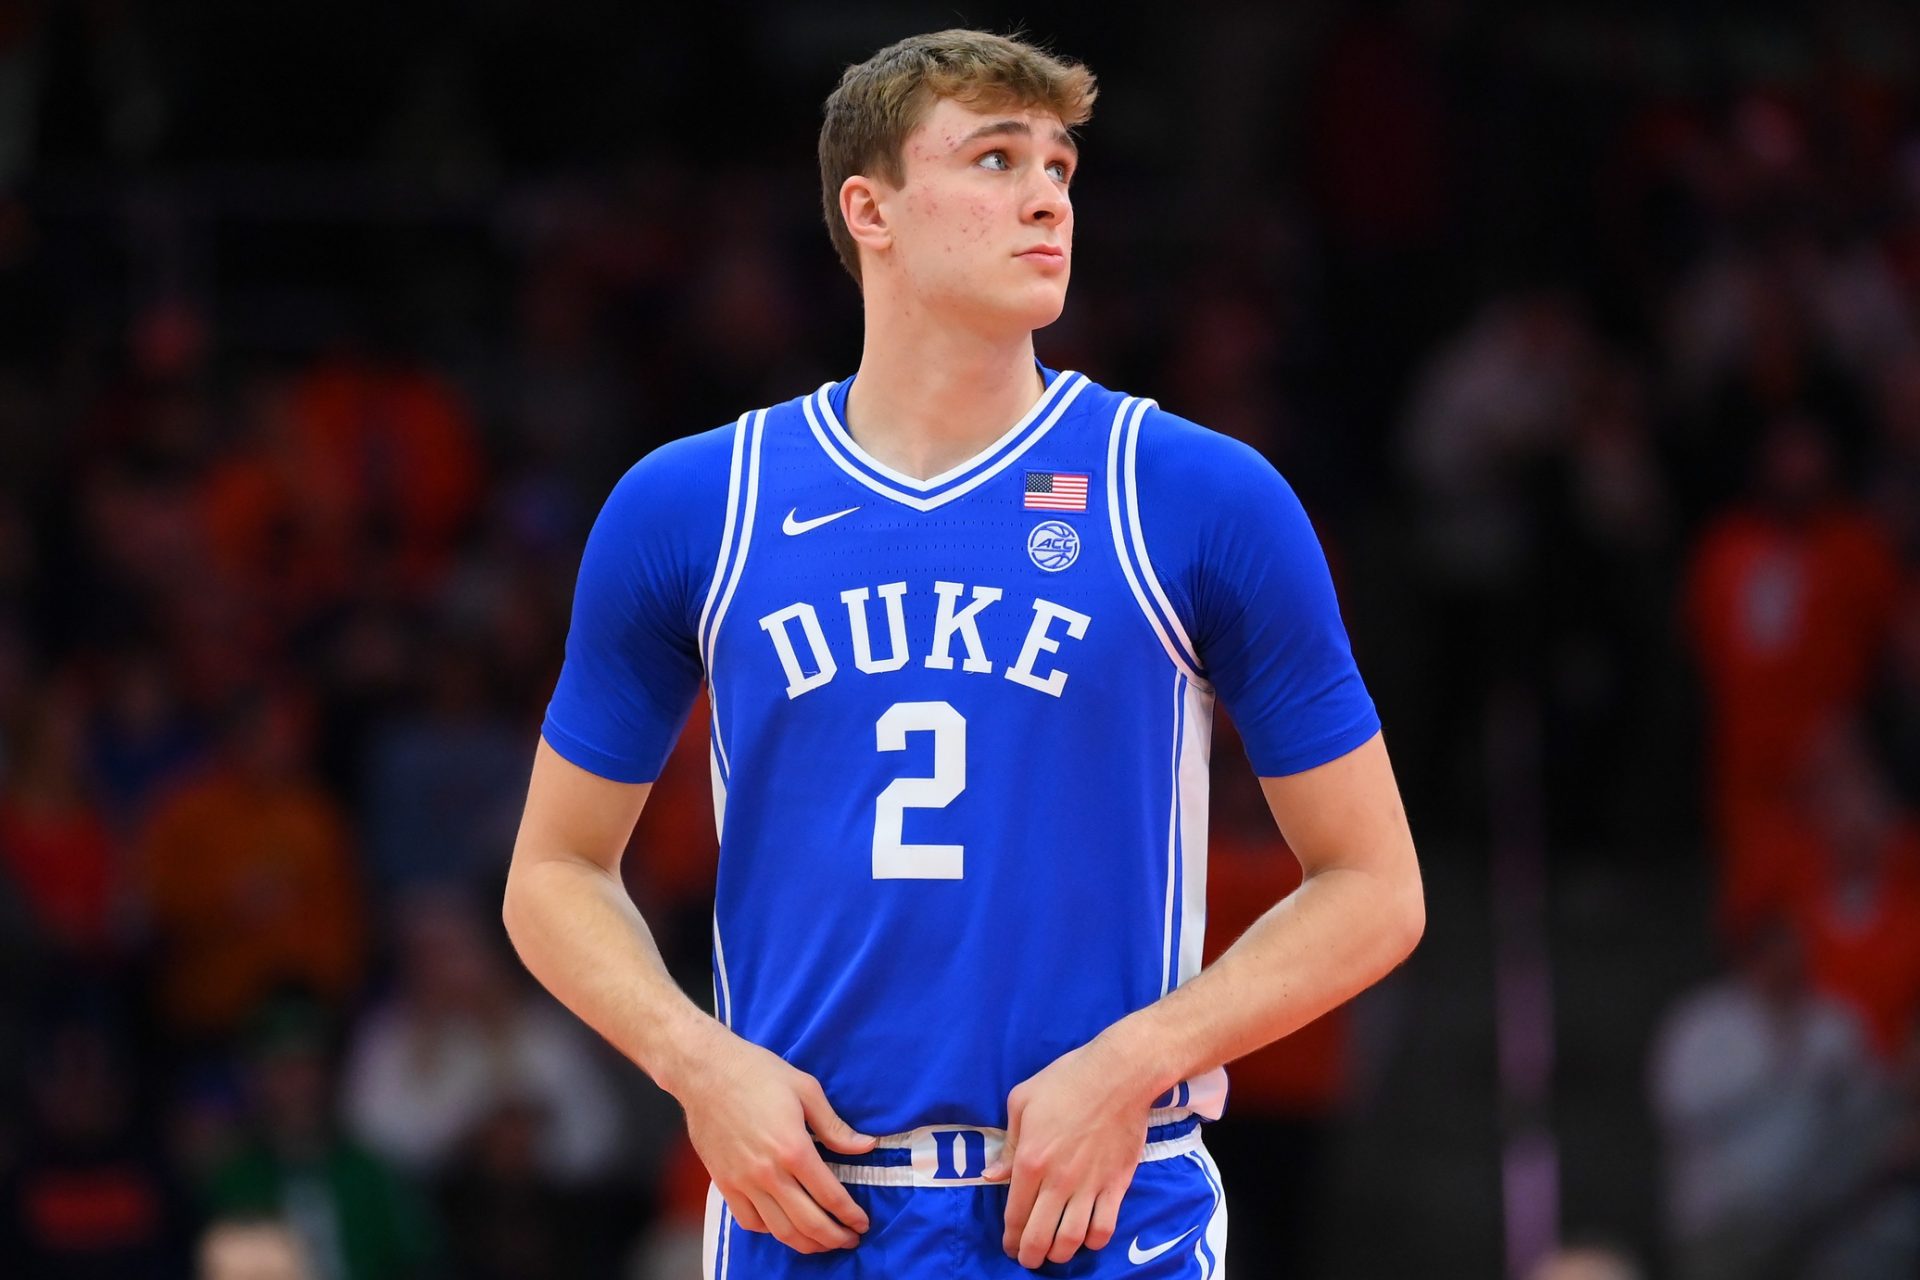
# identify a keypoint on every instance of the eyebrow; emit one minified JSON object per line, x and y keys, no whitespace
{"x":1019,"y":128}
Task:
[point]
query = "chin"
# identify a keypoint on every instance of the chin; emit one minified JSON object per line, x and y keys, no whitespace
{"x":1036,"y":309}
{"x":1031,"y":305}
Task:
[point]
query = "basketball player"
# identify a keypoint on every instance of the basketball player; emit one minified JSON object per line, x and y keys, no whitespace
{"x":962,"y":619}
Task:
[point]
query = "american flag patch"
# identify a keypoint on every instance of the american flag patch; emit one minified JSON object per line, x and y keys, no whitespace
{"x":1056,"y":491}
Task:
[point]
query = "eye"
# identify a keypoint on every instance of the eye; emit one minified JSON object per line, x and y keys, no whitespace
{"x":1061,"y":170}
{"x":999,"y":156}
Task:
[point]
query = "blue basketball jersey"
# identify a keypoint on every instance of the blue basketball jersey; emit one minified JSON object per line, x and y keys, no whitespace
{"x":960,"y":726}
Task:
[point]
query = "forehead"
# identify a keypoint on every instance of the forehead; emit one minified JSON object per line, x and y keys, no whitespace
{"x":949,"y":123}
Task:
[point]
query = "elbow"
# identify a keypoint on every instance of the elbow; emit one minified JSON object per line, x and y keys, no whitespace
{"x":510,"y":907}
{"x":1410,"y":919}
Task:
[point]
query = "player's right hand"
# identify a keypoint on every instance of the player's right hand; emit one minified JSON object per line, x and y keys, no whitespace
{"x":748,"y":1115}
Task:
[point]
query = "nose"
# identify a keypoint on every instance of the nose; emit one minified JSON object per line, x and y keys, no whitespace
{"x":1046,"y":201}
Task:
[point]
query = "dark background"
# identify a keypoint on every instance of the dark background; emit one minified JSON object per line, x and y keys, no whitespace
{"x":1586,"y":334}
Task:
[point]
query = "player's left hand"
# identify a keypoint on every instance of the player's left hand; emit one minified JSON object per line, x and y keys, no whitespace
{"x":1075,"y":1134}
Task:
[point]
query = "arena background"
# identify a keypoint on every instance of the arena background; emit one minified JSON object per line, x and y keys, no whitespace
{"x":1586,"y":332}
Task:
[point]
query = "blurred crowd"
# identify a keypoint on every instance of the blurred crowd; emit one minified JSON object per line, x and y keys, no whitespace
{"x":1600,"y":378}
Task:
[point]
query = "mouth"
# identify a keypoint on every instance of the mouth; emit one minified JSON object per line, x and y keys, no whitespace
{"x":1043,"y":253}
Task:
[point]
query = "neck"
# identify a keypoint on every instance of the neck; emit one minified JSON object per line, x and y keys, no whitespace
{"x":930,"y":394}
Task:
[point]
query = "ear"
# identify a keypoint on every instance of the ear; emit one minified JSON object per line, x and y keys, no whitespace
{"x":863,"y":205}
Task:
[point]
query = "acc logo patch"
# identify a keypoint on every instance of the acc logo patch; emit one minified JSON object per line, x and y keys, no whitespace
{"x":1053,"y":545}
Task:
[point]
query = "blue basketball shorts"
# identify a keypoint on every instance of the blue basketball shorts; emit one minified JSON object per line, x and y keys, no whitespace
{"x":932,"y":1218}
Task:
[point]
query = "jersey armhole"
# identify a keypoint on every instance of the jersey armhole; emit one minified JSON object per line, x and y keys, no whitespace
{"x":1130,"y":543}
{"x":743,"y":496}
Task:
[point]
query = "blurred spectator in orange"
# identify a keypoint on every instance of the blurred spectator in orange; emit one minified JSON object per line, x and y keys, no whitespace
{"x":357,"y":468}
{"x":389,"y":458}
{"x":1860,"y":911}
{"x":266,"y":527}
{"x":676,"y":850}
{"x":674,"y":856}
{"x":1275,"y":1142}
{"x":356,"y":1217}
{"x":87,"y":1192}
{"x":1788,"y":601}
{"x":252,"y":1249}
{"x":249,"y":879}
{"x":54,"y":845}
{"x":463,"y":1037}
{"x":1769,"y":1100}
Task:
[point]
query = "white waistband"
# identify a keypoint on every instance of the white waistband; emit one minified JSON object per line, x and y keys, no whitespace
{"x":948,"y":1155}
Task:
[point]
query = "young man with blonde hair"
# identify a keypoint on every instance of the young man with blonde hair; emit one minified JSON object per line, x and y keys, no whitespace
{"x":962,"y":676}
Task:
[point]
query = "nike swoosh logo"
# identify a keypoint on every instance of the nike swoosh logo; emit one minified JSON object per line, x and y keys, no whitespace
{"x":790,"y":526}
{"x":1136,"y":1255}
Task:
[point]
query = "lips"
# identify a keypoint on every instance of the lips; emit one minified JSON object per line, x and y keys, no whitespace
{"x":1043,"y":251}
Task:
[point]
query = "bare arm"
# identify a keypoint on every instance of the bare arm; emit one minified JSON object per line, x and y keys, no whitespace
{"x":1357,"y":915}
{"x":1075,"y":1129}
{"x":579,"y":933}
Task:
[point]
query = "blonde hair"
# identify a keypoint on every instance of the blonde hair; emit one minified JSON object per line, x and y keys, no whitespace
{"x":880,"y":101}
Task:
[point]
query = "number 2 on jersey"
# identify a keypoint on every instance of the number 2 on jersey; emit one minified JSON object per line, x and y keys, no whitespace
{"x":894,"y":859}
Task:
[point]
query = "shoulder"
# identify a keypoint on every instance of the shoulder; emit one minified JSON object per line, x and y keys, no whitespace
{"x":681,"y":478}
{"x":662,"y":523}
{"x":1179,"y":454}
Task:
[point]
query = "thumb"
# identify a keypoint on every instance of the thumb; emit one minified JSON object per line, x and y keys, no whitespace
{"x":834,"y":1133}
{"x":1002,"y":1167}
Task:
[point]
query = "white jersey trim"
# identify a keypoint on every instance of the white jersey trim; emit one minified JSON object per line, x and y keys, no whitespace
{"x":723,"y":991}
{"x":1206,"y":1093}
{"x":1123,"y":546}
{"x":1173,"y":838}
{"x":713,"y":1245}
{"x":710,"y":627}
{"x":1065,"y":389}
{"x":722,"y":988}
{"x":711,"y":618}
{"x":1131,"y":479}
{"x":1210,"y":1251}
{"x":726,"y":532}
{"x":923,"y":1171}
{"x":1192,"y":781}
{"x":853,"y":450}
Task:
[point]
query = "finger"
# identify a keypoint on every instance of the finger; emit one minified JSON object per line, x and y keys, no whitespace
{"x":1002,"y":1167}
{"x":780,"y":1226}
{"x":834,"y":1133}
{"x":829,"y":1192}
{"x":1073,"y":1227}
{"x":810,"y":1220}
{"x":1021,"y":1190}
{"x":1041,"y":1225}
{"x":1106,"y":1218}
{"x":741,"y":1207}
